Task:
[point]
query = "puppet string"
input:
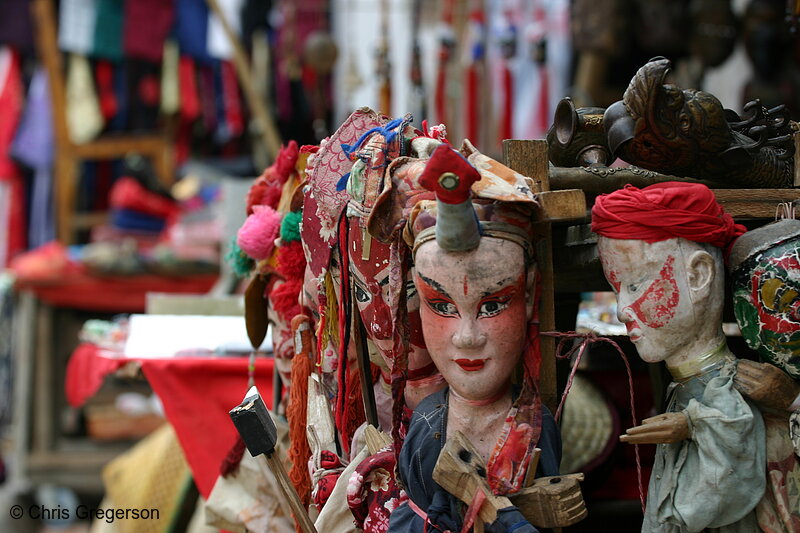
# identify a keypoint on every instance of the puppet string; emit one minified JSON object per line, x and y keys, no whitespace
{"x":565,"y":351}
{"x":251,"y":369}
{"x":473,"y":509}
{"x":785,"y":210}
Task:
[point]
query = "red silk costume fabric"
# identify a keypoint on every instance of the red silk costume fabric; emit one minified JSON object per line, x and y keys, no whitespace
{"x":665,"y":211}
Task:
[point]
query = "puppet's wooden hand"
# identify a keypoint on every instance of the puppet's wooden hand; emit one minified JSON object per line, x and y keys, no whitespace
{"x":667,"y":427}
{"x":766,"y":384}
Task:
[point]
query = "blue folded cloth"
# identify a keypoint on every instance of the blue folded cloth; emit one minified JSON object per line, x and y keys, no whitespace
{"x":128,"y":219}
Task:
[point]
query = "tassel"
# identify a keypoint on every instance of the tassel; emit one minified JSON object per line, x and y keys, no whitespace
{"x":354,"y":407}
{"x":297,"y":412}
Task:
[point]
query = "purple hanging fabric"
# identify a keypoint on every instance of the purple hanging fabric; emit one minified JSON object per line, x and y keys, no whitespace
{"x":34,"y":147}
{"x":33,"y":143}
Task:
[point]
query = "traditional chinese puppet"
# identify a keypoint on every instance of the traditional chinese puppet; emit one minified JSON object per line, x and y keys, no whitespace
{"x":475,"y":273}
{"x":662,"y":249}
{"x":765,"y":276}
{"x":363,"y":283}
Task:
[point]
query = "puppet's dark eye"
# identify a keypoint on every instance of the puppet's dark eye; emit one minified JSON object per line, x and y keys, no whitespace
{"x":362,"y":296}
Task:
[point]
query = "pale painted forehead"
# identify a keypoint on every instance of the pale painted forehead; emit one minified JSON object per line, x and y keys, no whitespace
{"x":635,"y":255}
{"x":492,"y":255}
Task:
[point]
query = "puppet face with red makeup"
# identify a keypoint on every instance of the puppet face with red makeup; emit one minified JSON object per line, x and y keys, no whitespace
{"x":369,"y":269}
{"x":664,"y":295}
{"x":372,"y":294}
{"x":474,"y":309}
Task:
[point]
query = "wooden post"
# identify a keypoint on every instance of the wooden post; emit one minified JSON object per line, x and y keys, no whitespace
{"x":24,"y":326}
{"x":797,"y":159}
{"x":529,"y":158}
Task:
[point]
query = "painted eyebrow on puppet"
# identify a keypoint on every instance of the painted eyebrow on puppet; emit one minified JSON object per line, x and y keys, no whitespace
{"x":508,"y":289}
{"x":356,"y":277}
{"x":434,"y":285}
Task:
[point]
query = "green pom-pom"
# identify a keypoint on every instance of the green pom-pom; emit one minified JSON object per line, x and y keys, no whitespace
{"x":242,"y":263}
{"x":290,"y":226}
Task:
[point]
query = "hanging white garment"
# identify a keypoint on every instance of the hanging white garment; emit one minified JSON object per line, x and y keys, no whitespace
{"x":76,"y":23}
{"x":218,"y":44}
{"x":84,"y":118}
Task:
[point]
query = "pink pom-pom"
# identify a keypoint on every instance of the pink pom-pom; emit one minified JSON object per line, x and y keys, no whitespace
{"x":257,"y":235}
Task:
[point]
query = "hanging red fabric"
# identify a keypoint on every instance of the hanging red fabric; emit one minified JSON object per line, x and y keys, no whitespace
{"x":472,"y":98}
{"x":506,"y":131}
{"x":233,"y":104}
{"x":476,"y":44}
{"x":11,"y":99}
{"x":542,"y":113}
{"x":508,"y":50}
{"x":446,"y":43}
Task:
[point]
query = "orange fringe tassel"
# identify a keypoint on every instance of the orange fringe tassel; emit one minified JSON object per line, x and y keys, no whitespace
{"x":297,"y":411}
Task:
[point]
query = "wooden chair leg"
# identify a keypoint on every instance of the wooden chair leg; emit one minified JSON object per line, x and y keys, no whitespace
{"x":66,"y":186}
{"x":162,"y":161}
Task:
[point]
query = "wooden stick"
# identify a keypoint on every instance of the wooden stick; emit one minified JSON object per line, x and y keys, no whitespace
{"x":376,"y":439}
{"x":300,"y":513}
{"x":365,"y":373}
{"x":258,"y":431}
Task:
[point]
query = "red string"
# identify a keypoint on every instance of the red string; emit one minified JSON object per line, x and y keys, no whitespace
{"x":563,"y":351}
{"x":473,"y":510}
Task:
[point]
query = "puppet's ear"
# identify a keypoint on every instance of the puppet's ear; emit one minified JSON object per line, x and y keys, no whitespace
{"x":701,"y":269}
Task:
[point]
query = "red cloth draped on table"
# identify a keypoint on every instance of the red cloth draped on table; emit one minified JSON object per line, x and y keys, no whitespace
{"x":200,"y":419}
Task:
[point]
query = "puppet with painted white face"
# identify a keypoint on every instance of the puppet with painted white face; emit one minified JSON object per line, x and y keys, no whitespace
{"x":661,"y":249}
{"x":476,"y":277}
{"x":765,"y":276}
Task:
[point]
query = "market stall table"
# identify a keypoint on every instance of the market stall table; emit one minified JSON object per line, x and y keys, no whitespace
{"x":48,"y":312}
{"x":196,"y":392}
{"x":119,"y":294}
